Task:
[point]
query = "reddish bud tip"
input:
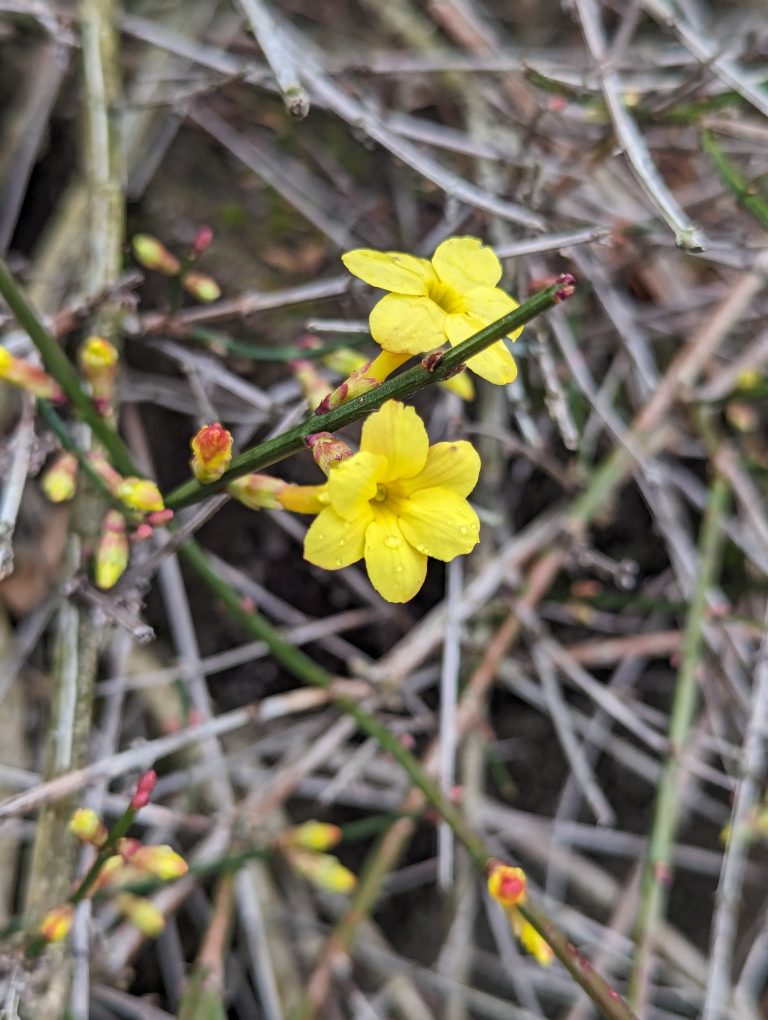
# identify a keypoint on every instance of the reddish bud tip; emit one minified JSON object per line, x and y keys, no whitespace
{"x":567,"y":286}
{"x":203,"y":239}
{"x":144,"y":788}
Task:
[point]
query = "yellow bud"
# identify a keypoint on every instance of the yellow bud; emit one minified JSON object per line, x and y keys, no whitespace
{"x":98,"y":363}
{"x":55,"y":926}
{"x":59,"y":481}
{"x":203,"y":288}
{"x":87,"y":826}
{"x":142,"y":913}
{"x":323,"y":870}
{"x":257,"y":492}
{"x":159,"y":860}
{"x":506,"y":885}
{"x":749,"y":379}
{"x":212,"y":449}
{"x":112,"y":551}
{"x":152,"y":254}
{"x":535,"y":944}
{"x":327,"y":450}
{"x":313,"y":386}
{"x":139,"y":494}
{"x":314,"y":835}
{"x":28,"y":377}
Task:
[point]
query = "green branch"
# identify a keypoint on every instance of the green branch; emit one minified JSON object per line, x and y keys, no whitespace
{"x":400,"y":388}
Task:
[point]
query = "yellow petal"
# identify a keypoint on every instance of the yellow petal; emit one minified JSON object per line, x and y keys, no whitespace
{"x":461,"y":385}
{"x":397,"y":433}
{"x":333,"y":542}
{"x":439,"y":523}
{"x":452,"y":466}
{"x":395,"y":568}
{"x":391,"y":270}
{"x":495,"y":363}
{"x":487,"y":304}
{"x":352,"y":483}
{"x":407,"y":325}
{"x":465,"y":262}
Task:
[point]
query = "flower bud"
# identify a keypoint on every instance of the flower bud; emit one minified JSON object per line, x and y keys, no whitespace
{"x":314,"y":835}
{"x":201,"y":287}
{"x":257,"y":492}
{"x":202,"y":241}
{"x":152,"y":254}
{"x":506,"y":885}
{"x":344,"y":360}
{"x":104,"y":470}
{"x":59,"y":481}
{"x":98,"y":363}
{"x":327,"y":450}
{"x":323,"y":870}
{"x":139,"y":494}
{"x":212,"y":449}
{"x":112,"y":551}
{"x":159,"y":860}
{"x":88,"y":827}
{"x":534,"y":943}
{"x":142,"y":913}
{"x":359,"y":382}
{"x":146,"y":784}
{"x":55,"y":926}
{"x":29,"y":377}
{"x":313,"y":386}
{"x":112,"y":870}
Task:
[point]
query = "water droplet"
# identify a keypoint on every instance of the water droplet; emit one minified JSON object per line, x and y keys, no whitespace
{"x":399,"y":569}
{"x":320,"y":536}
{"x":464,"y":529}
{"x":338,"y":562}
{"x":341,"y":543}
{"x":392,"y":542}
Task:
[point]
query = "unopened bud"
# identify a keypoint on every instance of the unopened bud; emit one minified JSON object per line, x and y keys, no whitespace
{"x":212,"y":449}
{"x":159,"y":518}
{"x":98,"y":363}
{"x":105,"y":471}
{"x":534,"y":943}
{"x":88,"y":827}
{"x":29,"y":377}
{"x":59,"y":481}
{"x":202,"y":241}
{"x":314,"y":835}
{"x":55,"y":926}
{"x":257,"y":492}
{"x":506,"y":885}
{"x":159,"y":860}
{"x":202,"y":287}
{"x":139,"y":494}
{"x":359,"y":382}
{"x":142,"y":913}
{"x":323,"y":870}
{"x":313,"y":386}
{"x":146,"y":784}
{"x":327,"y":450}
{"x":112,"y":551}
{"x":152,"y":254}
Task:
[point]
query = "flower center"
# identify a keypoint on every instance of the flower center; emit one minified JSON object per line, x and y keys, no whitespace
{"x":381,"y":493}
{"x":445,"y":297}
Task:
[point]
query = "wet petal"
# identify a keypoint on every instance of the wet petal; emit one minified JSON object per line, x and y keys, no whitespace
{"x":390,"y":270}
{"x":352,"y":483}
{"x":495,"y":363}
{"x":407,"y":325}
{"x":397,"y":433}
{"x":396,"y":570}
{"x":465,"y":262}
{"x":453,"y":466}
{"x":439,"y":523}
{"x":333,"y":542}
{"x":487,"y":304}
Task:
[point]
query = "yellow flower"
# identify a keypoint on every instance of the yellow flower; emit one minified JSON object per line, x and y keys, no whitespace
{"x":448,"y":298}
{"x":396,"y":502}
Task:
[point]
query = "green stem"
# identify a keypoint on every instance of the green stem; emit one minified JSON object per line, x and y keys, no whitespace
{"x":657,"y":871}
{"x":745,"y":193}
{"x":400,"y":388}
{"x":59,"y":366}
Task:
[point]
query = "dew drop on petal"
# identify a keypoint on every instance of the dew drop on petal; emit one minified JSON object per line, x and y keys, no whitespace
{"x":339,"y":562}
{"x":392,"y":542}
{"x":464,"y":529}
{"x":399,"y":569}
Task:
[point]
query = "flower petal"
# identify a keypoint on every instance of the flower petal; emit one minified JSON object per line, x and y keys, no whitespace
{"x":452,"y":466}
{"x":397,"y":433}
{"x":495,"y":363}
{"x":439,"y":523}
{"x":487,"y":304}
{"x":333,"y":542}
{"x":391,"y":270}
{"x":465,"y":262}
{"x":406,"y":324}
{"x":396,"y":570}
{"x":352,"y":483}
